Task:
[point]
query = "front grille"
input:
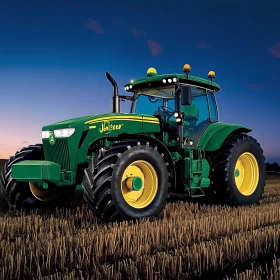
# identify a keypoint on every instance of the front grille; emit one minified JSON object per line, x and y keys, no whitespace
{"x":58,"y":153}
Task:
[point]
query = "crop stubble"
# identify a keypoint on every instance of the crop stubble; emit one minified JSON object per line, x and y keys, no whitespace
{"x":189,"y":241}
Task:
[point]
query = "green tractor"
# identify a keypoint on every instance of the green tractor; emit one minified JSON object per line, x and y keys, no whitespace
{"x":128,"y":163}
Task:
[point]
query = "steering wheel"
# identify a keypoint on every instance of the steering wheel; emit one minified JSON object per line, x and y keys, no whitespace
{"x":166,"y":110}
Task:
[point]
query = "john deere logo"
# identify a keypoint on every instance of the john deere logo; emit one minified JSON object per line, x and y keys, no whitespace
{"x":107,"y":127}
{"x":51,"y":138}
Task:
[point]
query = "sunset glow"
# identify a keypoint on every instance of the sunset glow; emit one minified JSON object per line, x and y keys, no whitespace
{"x":54,"y":59}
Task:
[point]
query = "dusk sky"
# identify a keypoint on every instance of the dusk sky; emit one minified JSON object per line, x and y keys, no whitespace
{"x":54,"y":55}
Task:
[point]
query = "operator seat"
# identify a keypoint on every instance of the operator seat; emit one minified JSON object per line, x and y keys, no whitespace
{"x":191,"y":114}
{"x":191,"y":117}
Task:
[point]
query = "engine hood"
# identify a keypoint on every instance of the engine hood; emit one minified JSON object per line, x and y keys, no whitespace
{"x":84,"y":121}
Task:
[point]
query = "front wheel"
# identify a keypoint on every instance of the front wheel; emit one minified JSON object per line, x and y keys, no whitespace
{"x":24,"y":195}
{"x":129,"y":181}
{"x":238,"y":171}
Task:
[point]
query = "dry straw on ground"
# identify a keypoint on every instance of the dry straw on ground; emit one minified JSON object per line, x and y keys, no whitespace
{"x":189,"y":241}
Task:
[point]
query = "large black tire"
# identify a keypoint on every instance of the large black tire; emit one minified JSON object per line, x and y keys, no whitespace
{"x":224,"y":189}
{"x":18,"y":194}
{"x":102,"y":181}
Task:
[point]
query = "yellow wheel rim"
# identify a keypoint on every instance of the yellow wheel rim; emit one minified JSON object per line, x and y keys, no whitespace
{"x":43,"y":195}
{"x":246,"y":173}
{"x":139,"y":184}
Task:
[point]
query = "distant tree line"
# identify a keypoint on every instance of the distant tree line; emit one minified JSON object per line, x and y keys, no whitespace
{"x":272,"y":166}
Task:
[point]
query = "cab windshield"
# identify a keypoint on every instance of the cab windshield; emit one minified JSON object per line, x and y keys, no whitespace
{"x":149,"y":101}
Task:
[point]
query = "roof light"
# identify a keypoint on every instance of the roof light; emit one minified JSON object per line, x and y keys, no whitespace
{"x":211,"y":75}
{"x":187,"y":68}
{"x":131,"y":81}
{"x":151,"y":72}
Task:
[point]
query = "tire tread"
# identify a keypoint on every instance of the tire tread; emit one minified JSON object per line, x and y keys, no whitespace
{"x":99,"y":177}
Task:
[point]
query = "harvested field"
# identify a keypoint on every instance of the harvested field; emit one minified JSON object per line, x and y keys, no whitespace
{"x":189,"y":241}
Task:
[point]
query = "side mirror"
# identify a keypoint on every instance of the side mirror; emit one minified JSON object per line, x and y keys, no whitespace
{"x":186,"y":95}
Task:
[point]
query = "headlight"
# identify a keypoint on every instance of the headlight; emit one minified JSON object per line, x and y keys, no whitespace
{"x":45,"y":134}
{"x":64,"y":133}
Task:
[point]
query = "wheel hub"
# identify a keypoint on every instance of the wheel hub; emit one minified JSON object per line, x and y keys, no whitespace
{"x":134,"y":183}
{"x":42,"y":194}
{"x":237,"y":172}
{"x":247,"y":173}
{"x":139,"y":184}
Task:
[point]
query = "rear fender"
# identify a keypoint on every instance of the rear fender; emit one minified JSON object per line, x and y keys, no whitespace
{"x":216,"y":133}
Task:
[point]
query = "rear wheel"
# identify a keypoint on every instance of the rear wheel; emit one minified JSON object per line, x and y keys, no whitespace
{"x":24,"y":195}
{"x":238,"y":171}
{"x":129,"y":181}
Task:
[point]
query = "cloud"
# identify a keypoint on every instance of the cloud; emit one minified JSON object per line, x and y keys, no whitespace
{"x":203,"y":45}
{"x":138,"y":33}
{"x":275,"y":50}
{"x":24,"y":142}
{"x":254,"y":86}
{"x":154,"y":47}
{"x":93,"y":25}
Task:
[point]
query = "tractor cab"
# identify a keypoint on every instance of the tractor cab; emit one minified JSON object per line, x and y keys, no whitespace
{"x":156,"y":95}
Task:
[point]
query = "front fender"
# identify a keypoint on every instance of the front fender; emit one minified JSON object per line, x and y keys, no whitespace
{"x":216,"y":133}
{"x":162,"y":148}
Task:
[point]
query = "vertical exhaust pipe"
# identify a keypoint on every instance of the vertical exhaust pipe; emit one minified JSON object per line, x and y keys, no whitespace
{"x":115,"y":97}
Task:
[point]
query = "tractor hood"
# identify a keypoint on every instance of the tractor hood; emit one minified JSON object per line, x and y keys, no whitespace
{"x":85,"y":121}
{"x":70,"y":123}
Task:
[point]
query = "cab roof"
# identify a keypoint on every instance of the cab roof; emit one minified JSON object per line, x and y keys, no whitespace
{"x":155,"y":80}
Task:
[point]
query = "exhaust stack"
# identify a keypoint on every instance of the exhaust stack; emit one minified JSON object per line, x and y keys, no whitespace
{"x":115,"y":97}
